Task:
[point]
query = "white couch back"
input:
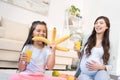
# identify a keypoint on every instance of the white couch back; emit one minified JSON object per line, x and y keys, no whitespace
{"x":14,"y":30}
{"x":12,"y":34}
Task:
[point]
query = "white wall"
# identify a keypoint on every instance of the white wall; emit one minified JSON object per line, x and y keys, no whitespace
{"x":19,"y":14}
{"x":94,"y":8}
{"x":56,"y":16}
{"x":118,"y":57}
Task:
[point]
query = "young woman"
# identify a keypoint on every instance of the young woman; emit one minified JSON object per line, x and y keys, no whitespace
{"x":95,"y":53}
{"x":42,"y":56}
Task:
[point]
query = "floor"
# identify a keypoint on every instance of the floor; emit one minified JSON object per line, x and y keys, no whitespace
{"x":5,"y":73}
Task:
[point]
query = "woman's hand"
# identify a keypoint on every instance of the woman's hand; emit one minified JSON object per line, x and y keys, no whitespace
{"x":78,"y":51}
{"x":94,"y":66}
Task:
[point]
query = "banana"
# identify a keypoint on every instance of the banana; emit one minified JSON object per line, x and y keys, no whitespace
{"x":53,"y":35}
{"x":62,"y":49}
{"x":41,"y":39}
{"x":62,"y":39}
{"x":53,"y":40}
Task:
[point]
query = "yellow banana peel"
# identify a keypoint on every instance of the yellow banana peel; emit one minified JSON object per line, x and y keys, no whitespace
{"x":62,"y":49}
{"x":53,"y":35}
{"x":53,"y":40}
{"x":62,"y":39}
{"x":41,"y":39}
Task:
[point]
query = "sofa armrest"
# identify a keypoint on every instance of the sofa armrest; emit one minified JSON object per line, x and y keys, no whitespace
{"x":2,"y":31}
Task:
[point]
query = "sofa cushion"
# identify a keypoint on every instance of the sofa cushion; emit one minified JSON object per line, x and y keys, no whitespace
{"x":9,"y":44}
{"x":15,"y":30}
{"x":9,"y":64}
{"x":9,"y":55}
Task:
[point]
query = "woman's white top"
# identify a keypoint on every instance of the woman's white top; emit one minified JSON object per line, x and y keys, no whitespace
{"x":96,"y":55}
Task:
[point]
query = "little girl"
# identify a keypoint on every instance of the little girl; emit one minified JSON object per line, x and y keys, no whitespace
{"x":42,"y":56}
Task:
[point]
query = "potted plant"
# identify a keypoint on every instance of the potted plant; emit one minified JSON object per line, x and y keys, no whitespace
{"x":74,"y":20}
{"x":74,"y":15}
{"x":74,"y":11}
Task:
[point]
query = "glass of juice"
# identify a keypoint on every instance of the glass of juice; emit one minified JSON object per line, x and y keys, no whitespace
{"x":29,"y":55}
{"x":76,"y":38}
{"x":77,"y":45}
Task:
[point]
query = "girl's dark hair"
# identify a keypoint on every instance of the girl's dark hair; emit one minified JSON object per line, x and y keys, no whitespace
{"x":32,"y":28}
{"x":105,"y":42}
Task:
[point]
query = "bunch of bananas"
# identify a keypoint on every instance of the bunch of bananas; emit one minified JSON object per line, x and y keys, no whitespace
{"x":53,"y":40}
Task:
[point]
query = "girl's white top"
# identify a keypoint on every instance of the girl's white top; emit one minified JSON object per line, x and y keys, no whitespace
{"x":38,"y":60}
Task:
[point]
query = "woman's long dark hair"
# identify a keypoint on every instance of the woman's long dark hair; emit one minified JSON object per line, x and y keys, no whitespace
{"x":105,"y":42}
{"x":32,"y":28}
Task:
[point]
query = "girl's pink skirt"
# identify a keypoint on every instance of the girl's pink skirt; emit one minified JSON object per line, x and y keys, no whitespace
{"x":33,"y":77}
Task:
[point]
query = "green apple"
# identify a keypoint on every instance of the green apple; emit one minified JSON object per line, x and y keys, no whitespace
{"x":55,"y":73}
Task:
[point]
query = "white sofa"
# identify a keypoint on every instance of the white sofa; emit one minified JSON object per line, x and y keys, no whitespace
{"x":12,"y":37}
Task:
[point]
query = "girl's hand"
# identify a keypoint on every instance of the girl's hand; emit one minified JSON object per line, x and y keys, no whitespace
{"x":93,"y":65}
{"x":53,"y":47}
{"x":22,"y":63}
{"x":51,"y":57}
{"x":23,"y":57}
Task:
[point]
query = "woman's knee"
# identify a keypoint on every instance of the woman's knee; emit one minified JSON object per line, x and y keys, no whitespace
{"x":102,"y":75}
{"x":83,"y":77}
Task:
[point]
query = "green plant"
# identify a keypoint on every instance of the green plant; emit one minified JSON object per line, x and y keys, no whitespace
{"x":74,"y":11}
